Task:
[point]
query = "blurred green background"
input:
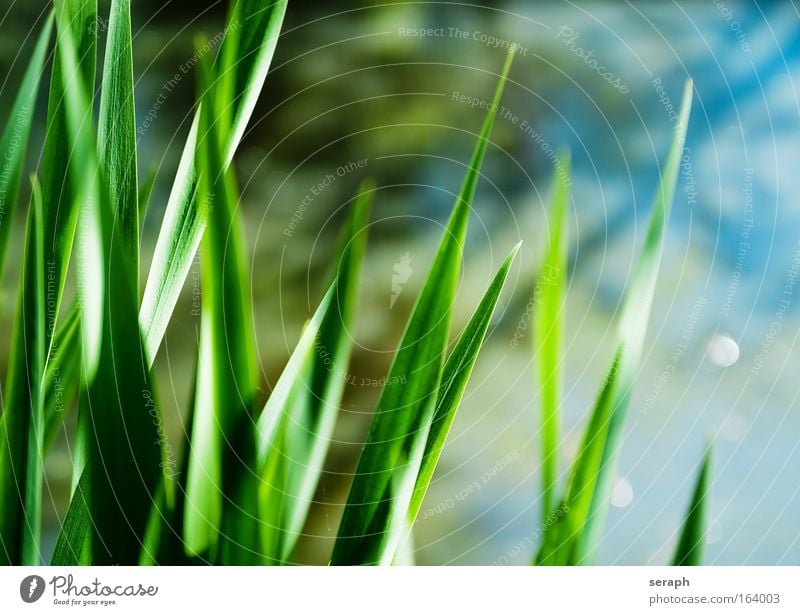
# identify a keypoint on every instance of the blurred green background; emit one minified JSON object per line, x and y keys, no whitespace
{"x":394,"y":91}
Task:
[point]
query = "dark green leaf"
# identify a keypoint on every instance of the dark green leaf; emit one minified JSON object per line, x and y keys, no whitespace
{"x":691,"y":545}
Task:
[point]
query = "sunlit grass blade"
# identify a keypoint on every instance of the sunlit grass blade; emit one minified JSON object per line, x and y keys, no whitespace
{"x":123,"y":446}
{"x":376,"y":514}
{"x":59,"y":195}
{"x":294,"y":461}
{"x":456,"y":374}
{"x":256,"y":25}
{"x":116,"y":130}
{"x":15,"y":135}
{"x":228,"y":372}
{"x":21,"y":449}
{"x":572,"y":538}
{"x":548,"y":332}
{"x":691,"y":544}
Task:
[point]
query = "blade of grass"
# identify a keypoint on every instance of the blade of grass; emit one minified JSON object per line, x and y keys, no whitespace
{"x":256,"y":27}
{"x":58,"y":193}
{"x":548,"y":332}
{"x":62,"y":374}
{"x":121,"y":426}
{"x":295,"y":457}
{"x":21,"y":451}
{"x":455,"y":377}
{"x":691,"y":545}
{"x":117,"y":128}
{"x":377,"y":509}
{"x":572,"y":537}
{"x":14,"y":139}
{"x":228,"y":372}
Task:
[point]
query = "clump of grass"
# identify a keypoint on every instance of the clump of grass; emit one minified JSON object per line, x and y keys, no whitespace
{"x":241,"y":492}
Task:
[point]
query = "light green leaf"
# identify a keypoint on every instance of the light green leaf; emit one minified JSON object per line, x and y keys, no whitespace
{"x":548,"y":332}
{"x":691,"y":545}
{"x":574,"y":528}
{"x":255,"y":26}
{"x":227,"y":379}
{"x":455,"y":377}
{"x":21,"y":449}
{"x":14,"y":139}
{"x":377,"y":509}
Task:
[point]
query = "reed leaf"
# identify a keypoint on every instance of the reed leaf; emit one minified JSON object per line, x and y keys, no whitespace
{"x":376,"y":514}
{"x":548,"y":331}
{"x":21,"y":450}
{"x":455,"y":377}
{"x":251,"y":35}
{"x":572,"y":536}
{"x":121,"y":429}
{"x":15,"y":136}
{"x":117,"y":128}
{"x":227,"y":377}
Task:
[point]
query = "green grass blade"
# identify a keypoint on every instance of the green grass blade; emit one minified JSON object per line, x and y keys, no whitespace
{"x":62,"y":373}
{"x":571,"y":539}
{"x":14,"y":139}
{"x":228,"y":372}
{"x":548,"y":332}
{"x":121,"y":426}
{"x":74,"y":542}
{"x":377,"y":509}
{"x":58,"y":193}
{"x":455,"y":377}
{"x":257,"y":26}
{"x":117,"y":128}
{"x":21,"y":450}
{"x":146,"y":192}
{"x":296,"y":454}
{"x":691,"y":545}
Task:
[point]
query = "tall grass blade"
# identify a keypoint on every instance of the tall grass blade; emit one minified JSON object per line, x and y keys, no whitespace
{"x":375,"y":517}
{"x":691,"y":545}
{"x":15,"y":135}
{"x":294,"y":460}
{"x":62,"y":373}
{"x":121,"y":427}
{"x":256,"y":25}
{"x":548,"y":332}
{"x":117,"y":128}
{"x":59,"y":195}
{"x":572,"y":537}
{"x":21,"y":450}
{"x":227,"y":377}
{"x":455,"y":377}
